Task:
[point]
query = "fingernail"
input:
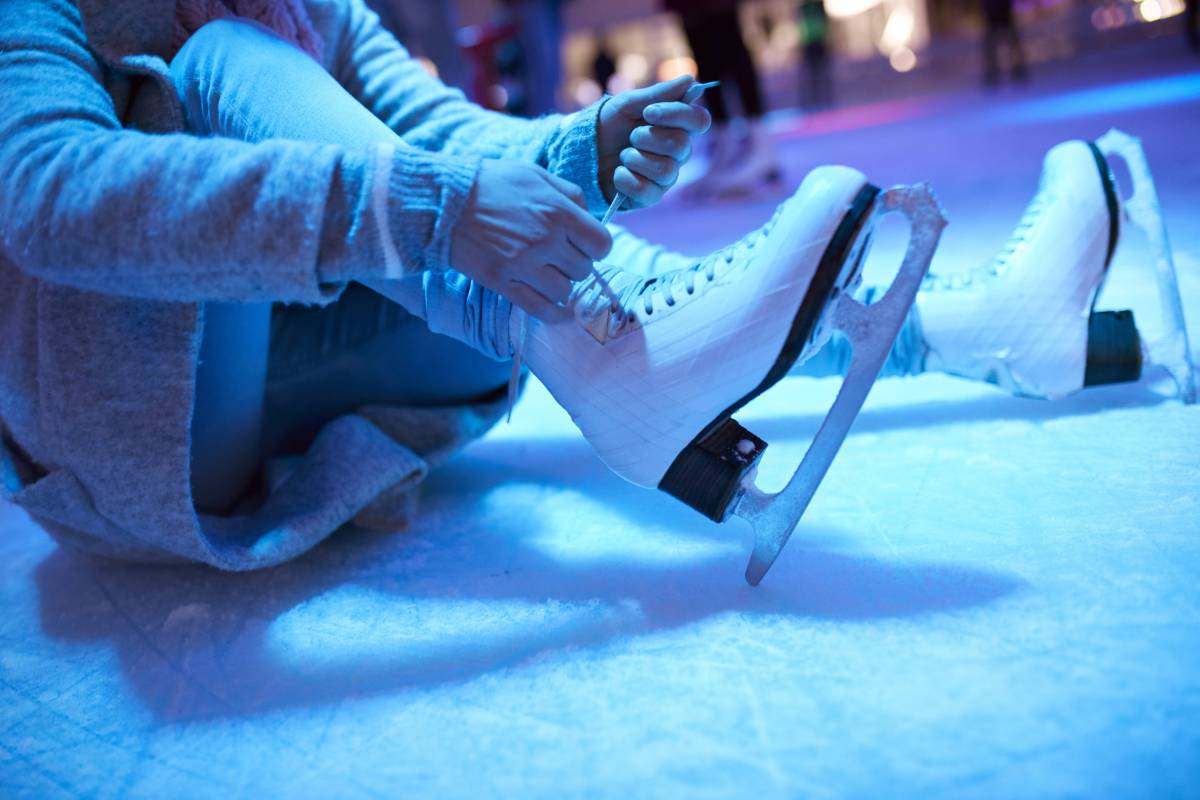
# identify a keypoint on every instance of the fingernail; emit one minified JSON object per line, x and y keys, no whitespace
{"x":652,"y":113}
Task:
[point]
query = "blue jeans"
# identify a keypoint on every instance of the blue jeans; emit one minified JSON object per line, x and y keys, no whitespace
{"x":271,"y":375}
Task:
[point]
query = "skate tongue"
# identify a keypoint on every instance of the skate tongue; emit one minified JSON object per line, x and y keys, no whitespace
{"x":599,"y":302}
{"x":599,"y":327}
{"x":597,"y":309}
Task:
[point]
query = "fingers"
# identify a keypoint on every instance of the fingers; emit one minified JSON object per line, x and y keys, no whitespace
{"x":549,"y":282}
{"x":670,"y":142}
{"x":573,"y":192}
{"x":588,"y":236}
{"x":570,"y":260}
{"x":533,"y":303}
{"x":642,"y":191}
{"x":683,"y":116}
{"x":582,"y":230}
{"x":659,"y":169}
{"x":675,"y":89}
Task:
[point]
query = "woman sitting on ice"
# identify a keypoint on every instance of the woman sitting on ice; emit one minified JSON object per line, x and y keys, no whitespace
{"x":259,"y":272}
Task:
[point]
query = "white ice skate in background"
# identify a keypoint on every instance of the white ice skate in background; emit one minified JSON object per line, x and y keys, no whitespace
{"x":1021,"y":321}
{"x":752,"y":167}
{"x":1027,"y":321}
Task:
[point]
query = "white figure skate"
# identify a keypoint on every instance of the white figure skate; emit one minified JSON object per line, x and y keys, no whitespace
{"x":1027,"y":321}
{"x":654,"y":381}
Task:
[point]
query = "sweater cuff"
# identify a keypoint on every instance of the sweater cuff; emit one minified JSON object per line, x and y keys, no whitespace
{"x":573,"y":155}
{"x":417,"y":200}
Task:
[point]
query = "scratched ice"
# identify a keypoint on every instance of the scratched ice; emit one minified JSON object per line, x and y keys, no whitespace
{"x":990,"y":597}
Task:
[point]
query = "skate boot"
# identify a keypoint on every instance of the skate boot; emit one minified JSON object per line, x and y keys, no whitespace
{"x":1027,"y":321}
{"x":653,"y":379}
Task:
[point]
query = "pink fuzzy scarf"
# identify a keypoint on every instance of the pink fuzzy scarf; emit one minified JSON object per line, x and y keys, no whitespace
{"x":287,"y":18}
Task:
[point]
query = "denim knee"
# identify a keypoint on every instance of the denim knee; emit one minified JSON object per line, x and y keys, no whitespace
{"x":205,"y":62}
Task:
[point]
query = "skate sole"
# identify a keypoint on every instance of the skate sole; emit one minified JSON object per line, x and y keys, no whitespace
{"x":694,"y":470}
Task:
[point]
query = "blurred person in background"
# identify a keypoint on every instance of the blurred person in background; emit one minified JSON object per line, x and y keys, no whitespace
{"x":1000,"y":28}
{"x":1193,"y":24}
{"x":539,"y":36}
{"x":604,"y":65}
{"x":814,"y":38}
{"x":741,"y":158}
{"x":428,"y":30}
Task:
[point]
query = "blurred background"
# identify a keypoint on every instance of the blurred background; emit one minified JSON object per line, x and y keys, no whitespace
{"x":518,"y":55}
{"x":788,"y":67}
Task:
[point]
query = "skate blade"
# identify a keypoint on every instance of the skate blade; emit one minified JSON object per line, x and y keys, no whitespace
{"x":1143,"y":209}
{"x":871,"y":330}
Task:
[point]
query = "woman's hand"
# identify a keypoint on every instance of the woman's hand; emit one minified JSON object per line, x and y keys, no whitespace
{"x":645,"y":137}
{"x":527,"y":235}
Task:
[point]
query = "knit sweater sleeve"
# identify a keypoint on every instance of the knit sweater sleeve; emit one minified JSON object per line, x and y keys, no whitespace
{"x":87,"y":203}
{"x":423,"y":111}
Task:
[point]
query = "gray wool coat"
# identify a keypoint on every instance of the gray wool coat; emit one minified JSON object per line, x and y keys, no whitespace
{"x":116,"y":226}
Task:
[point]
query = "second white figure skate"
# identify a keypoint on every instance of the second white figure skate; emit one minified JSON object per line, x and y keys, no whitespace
{"x":653,"y":382}
{"x":1027,"y":321}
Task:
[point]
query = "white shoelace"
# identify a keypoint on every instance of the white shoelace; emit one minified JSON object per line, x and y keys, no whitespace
{"x":606,"y":304}
{"x":999,"y":265}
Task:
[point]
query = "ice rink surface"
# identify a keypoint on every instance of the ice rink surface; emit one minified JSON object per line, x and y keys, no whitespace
{"x":989,"y":597}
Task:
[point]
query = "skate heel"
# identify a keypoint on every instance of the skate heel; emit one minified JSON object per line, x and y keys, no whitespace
{"x":1143,"y":209}
{"x":1114,"y":349}
{"x":708,"y":474}
{"x":871,"y":330}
